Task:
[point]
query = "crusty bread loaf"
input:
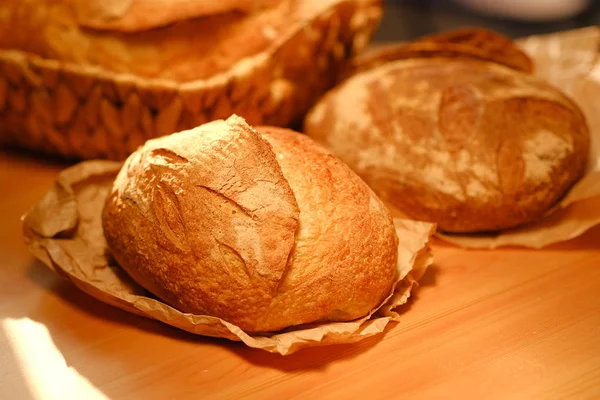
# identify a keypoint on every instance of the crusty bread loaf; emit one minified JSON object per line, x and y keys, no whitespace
{"x":469,"y":43}
{"x":179,"y":41}
{"x":136,"y":15}
{"x":264,"y":229}
{"x":480,"y":42}
{"x":469,"y":144}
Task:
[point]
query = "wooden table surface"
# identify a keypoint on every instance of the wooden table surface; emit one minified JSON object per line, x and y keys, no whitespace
{"x":503,"y":324}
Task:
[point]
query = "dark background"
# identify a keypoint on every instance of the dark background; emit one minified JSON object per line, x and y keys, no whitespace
{"x":409,"y":19}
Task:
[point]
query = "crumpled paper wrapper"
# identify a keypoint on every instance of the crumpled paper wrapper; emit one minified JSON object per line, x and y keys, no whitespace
{"x":65,"y":232}
{"x":571,"y":61}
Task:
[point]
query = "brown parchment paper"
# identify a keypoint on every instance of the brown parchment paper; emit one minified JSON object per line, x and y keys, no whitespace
{"x":64,"y":231}
{"x":569,"y":60}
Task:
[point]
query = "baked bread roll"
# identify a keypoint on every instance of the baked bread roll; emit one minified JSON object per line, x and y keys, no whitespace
{"x":96,"y":79}
{"x":180,"y":40}
{"x":262,"y":228}
{"x":469,"y":144}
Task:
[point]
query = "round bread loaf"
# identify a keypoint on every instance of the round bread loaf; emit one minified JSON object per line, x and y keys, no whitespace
{"x":264,"y":229}
{"x":469,"y":144}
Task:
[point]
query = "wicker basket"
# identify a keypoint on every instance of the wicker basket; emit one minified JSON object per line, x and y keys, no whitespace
{"x":86,"y":112}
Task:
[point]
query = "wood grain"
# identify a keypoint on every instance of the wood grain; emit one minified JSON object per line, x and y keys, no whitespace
{"x":503,"y":324}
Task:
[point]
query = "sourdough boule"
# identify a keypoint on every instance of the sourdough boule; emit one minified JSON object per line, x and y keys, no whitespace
{"x":262,"y":228}
{"x":469,"y":144}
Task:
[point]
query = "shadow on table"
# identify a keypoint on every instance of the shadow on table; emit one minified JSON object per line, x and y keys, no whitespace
{"x":47,"y":279}
{"x":317,"y":358}
{"x":18,"y":155}
{"x":312,"y":358}
{"x":587,"y":241}
{"x":428,"y":279}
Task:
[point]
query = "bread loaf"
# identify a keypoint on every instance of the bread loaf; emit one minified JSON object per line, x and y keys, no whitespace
{"x":466,"y":43}
{"x":262,"y":228}
{"x":180,"y":40}
{"x":469,"y":144}
{"x":96,"y":79}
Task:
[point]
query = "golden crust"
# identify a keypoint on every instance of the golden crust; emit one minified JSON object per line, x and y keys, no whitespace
{"x":179,"y":44}
{"x":467,"y":43}
{"x":344,"y":260}
{"x":263,"y":230}
{"x":136,"y":15}
{"x":471,"y":145}
{"x":484,"y":44}
{"x":195,"y":47}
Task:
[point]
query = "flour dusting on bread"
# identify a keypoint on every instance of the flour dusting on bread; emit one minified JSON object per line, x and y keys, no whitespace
{"x":542,"y":154}
{"x":469,"y":144}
